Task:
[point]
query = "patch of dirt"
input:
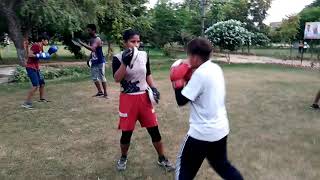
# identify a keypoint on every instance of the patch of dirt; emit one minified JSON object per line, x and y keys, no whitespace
{"x":238,"y":59}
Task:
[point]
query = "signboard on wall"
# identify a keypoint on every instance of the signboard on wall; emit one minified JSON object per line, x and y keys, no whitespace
{"x":312,"y":30}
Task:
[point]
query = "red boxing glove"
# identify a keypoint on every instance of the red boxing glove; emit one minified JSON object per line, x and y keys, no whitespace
{"x":180,"y":73}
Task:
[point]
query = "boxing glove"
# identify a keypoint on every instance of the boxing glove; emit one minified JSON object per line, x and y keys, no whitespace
{"x":180,"y":73}
{"x":53,"y":49}
{"x":43,"y":56}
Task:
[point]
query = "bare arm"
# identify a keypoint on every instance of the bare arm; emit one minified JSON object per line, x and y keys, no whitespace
{"x":150,"y":81}
{"x":31,"y":53}
{"x":120,"y":73}
{"x":94,"y":45}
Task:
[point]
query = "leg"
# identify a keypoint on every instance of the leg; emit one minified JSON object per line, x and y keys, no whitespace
{"x":34,"y":78}
{"x":97,"y":83}
{"x":95,"y":78}
{"x":103,"y":79}
{"x":41,"y":91}
{"x":104,"y":86}
{"x":124,"y":146}
{"x":156,"y":140}
{"x":31,"y":93}
{"x":217,"y":158}
{"x":125,"y":142}
{"x":190,"y":157}
{"x":41,"y":82}
{"x":127,"y":121}
{"x":317,"y":98}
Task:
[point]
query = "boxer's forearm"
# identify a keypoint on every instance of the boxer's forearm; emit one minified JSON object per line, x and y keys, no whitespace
{"x":181,"y":99}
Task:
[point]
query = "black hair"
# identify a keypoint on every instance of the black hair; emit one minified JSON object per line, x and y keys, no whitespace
{"x":93,"y":27}
{"x":201,"y":47}
{"x":42,"y":37}
{"x":129,"y":33}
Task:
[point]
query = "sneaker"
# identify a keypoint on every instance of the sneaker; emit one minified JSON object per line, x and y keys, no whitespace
{"x":122,"y":164}
{"x":315,"y":106}
{"x":27,"y":105}
{"x":165,"y":163}
{"x":43,"y":100}
{"x":106,"y":96}
{"x":98,"y":94}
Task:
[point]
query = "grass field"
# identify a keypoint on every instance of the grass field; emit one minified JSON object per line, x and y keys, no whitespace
{"x":9,"y":54}
{"x":274,"y":134}
{"x":282,"y":53}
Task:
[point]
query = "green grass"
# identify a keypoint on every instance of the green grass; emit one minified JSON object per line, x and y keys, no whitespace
{"x":274,"y":134}
{"x":9,"y":54}
{"x":282,"y":53}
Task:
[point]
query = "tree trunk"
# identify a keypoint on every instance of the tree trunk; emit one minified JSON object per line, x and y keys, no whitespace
{"x":291,"y":46}
{"x":15,"y":32}
{"x":0,"y":53}
{"x":110,"y":51}
{"x":311,"y":50}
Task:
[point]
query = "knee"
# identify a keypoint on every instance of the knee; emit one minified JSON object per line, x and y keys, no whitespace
{"x":155,"y":134}
{"x":126,"y":137}
{"x":35,"y":88}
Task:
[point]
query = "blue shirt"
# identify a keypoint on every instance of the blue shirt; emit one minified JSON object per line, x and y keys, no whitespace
{"x":97,"y":57}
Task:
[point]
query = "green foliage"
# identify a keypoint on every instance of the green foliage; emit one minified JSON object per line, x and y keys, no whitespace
{"x":258,"y":11}
{"x":237,"y":10}
{"x":229,"y":35}
{"x":169,"y":51}
{"x":166,"y":24}
{"x":120,"y":15}
{"x":309,"y":14}
{"x":260,"y":39}
{"x":316,"y":3}
{"x":20,"y":75}
{"x":289,"y":28}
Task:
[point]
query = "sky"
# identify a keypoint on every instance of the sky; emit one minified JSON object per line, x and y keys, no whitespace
{"x":279,"y":8}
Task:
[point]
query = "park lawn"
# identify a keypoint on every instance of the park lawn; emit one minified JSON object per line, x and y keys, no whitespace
{"x":274,"y":133}
{"x":283,"y":53}
{"x":9,"y":54}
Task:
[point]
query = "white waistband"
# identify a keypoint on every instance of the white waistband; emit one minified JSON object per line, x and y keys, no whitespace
{"x":137,"y":93}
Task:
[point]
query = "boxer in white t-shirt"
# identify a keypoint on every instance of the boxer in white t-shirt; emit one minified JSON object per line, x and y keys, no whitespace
{"x":201,"y":82}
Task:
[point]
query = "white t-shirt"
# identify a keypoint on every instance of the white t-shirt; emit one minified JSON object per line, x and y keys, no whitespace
{"x":208,"y":115}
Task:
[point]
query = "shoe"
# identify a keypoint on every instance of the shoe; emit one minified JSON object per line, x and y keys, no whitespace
{"x":315,"y":106}
{"x":43,"y":100}
{"x":27,"y":105}
{"x":165,"y":163}
{"x":106,"y":96}
{"x":98,"y":94}
{"x":122,"y":164}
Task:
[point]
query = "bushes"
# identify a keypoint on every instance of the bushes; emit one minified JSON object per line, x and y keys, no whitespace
{"x":20,"y":75}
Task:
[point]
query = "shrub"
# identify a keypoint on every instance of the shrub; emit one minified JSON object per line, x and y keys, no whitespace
{"x":20,"y":75}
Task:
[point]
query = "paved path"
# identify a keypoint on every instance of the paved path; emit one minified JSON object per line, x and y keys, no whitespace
{"x":5,"y":72}
{"x":266,"y":60}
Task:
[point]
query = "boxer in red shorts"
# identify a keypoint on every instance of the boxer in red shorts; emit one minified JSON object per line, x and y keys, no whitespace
{"x":131,"y":68}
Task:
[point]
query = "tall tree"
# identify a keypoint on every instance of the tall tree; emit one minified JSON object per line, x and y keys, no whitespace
{"x":237,"y":10}
{"x":120,"y":15}
{"x":22,"y":17}
{"x":258,"y":11}
{"x":308,"y":15}
{"x":316,"y":3}
{"x":166,"y":24}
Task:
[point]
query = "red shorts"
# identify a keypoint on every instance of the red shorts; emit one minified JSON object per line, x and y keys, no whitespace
{"x":133,"y":108}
